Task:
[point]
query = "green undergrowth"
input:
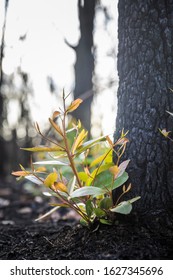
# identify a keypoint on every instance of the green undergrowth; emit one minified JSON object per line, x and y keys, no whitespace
{"x":80,"y":172}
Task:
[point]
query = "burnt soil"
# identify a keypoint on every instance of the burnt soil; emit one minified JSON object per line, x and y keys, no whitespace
{"x":60,"y":236}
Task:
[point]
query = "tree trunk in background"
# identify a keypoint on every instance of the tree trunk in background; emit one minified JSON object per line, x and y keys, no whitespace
{"x":145,"y":66}
{"x":84,"y":66}
{"x":2,"y":141}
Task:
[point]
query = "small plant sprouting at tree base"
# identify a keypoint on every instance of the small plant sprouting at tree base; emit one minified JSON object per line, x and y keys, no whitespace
{"x":78,"y":179}
{"x":164,"y":132}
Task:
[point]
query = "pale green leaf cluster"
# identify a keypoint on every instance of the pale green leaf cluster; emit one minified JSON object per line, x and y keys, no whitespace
{"x":78,"y":173}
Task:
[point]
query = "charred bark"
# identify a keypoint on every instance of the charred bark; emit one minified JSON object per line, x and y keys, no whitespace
{"x":84,"y":65}
{"x":145,"y":66}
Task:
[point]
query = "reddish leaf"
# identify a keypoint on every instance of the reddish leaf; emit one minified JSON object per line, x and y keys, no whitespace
{"x":20,"y":173}
{"x":56,"y":127}
{"x":74,"y":105}
{"x":55,"y":114}
{"x":59,"y":186}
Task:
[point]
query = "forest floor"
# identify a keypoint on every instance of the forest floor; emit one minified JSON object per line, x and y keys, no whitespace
{"x":61,"y":237}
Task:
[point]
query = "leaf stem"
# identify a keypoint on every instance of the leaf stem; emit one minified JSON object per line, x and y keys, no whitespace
{"x":70,"y":156}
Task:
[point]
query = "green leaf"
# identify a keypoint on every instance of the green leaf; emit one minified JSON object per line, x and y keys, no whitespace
{"x":71,"y":185}
{"x":105,"y":157}
{"x":84,"y":191}
{"x":104,"y":179}
{"x":63,"y":194}
{"x":105,"y":222}
{"x":99,"y":212}
{"x":79,"y":140}
{"x":124,"y":207}
{"x":51,"y":162}
{"x":89,"y":208}
{"x":134,"y":199}
{"x":170,"y":113}
{"x":101,"y":168}
{"x":83,"y":176}
{"x":59,"y":205}
{"x":85,"y":146}
{"x":97,"y":171}
{"x":48,"y":213}
{"x":50,"y":179}
{"x":122,"y":167}
{"x":83,"y":222}
{"x":71,"y":130}
{"x":120,"y":180}
{"x":106,"y":203}
{"x":35,"y":180}
{"x":43,"y":149}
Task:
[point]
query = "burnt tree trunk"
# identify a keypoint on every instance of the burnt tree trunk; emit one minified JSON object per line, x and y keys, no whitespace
{"x":145,"y":66}
{"x":2,"y":141}
{"x":84,"y":65}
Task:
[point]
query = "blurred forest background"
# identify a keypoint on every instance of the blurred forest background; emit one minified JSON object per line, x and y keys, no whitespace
{"x":48,"y":46}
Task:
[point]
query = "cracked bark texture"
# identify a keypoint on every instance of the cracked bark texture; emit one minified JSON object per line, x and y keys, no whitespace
{"x":145,"y":66}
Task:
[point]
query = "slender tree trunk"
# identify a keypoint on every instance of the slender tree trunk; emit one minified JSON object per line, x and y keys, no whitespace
{"x":145,"y":66}
{"x":84,"y":66}
{"x":1,"y":59}
{"x":2,"y":141}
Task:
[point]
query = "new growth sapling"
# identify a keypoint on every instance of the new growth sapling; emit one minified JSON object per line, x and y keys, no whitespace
{"x":78,"y":179}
